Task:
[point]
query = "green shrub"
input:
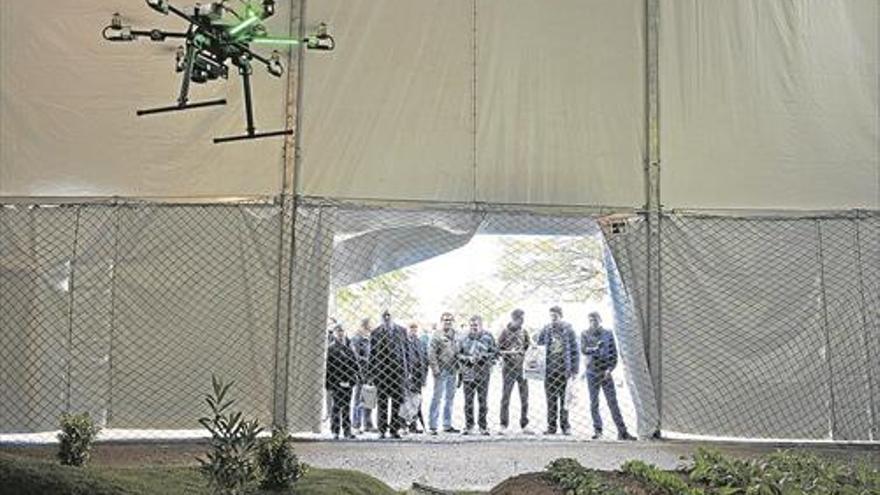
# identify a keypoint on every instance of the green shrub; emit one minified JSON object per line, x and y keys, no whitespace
{"x":783,"y":472}
{"x":659,"y":481}
{"x":78,"y":431}
{"x":575,"y":479}
{"x":278,"y":463}
{"x":230,"y":466}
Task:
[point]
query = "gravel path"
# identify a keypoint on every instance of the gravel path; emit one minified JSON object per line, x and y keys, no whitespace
{"x":473,"y":465}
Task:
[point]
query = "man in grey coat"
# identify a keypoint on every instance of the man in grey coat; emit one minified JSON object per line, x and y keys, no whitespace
{"x":443,"y":361}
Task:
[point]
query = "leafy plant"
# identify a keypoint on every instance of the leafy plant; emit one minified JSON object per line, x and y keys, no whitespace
{"x":783,"y":473}
{"x":230,"y":466}
{"x":278,"y":463}
{"x":78,"y":431}
{"x":662,"y":482}
{"x":575,"y":479}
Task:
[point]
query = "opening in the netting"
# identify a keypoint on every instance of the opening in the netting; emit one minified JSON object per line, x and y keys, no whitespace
{"x":521,"y":326}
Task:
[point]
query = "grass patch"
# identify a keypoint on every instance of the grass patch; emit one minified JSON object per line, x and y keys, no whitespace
{"x":21,"y":476}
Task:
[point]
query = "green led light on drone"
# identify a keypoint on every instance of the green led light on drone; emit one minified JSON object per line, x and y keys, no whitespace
{"x":243,"y":24}
{"x":275,"y":41}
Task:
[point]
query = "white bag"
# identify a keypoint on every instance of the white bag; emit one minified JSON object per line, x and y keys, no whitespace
{"x":368,"y":396}
{"x":534,"y":362}
{"x":410,"y":407}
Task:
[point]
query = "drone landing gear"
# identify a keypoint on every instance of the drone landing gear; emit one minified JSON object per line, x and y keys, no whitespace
{"x":185,"y":106}
{"x":244,"y":68}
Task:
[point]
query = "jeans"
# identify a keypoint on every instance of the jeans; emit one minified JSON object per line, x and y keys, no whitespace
{"x":594,"y":382}
{"x":554,"y":388}
{"x":444,"y":384}
{"x":361,"y":417}
{"x":511,"y":376}
{"x":480,"y":387}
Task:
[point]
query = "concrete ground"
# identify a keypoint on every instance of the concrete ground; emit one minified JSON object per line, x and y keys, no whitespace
{"x":455,"y":465}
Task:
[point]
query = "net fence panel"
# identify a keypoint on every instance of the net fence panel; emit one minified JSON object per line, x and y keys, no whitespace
{"x":763,"y":328}
{"x":92,"y":312}
{"x":352,"y":264}
{"x":743,"y":344}
{"x":36,"y":249}
{"x":869,"y":255}
{"x":195,"y":294}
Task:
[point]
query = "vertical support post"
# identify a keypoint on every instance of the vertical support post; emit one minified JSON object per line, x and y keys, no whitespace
{"x":653,"y":206}
{"x":289,"y":178}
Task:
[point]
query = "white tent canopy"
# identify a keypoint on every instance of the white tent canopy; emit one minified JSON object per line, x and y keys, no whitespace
{"x":764,"y":104}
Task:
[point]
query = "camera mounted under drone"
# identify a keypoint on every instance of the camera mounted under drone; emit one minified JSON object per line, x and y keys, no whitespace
{"x":210,"y":43}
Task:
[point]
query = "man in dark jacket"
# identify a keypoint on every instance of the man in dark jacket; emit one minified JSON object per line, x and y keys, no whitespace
{"x":562,"y":364}
{"x":598,"y":346}
{"x":362,"y":417}
{"x":512,"y":346}
{"x":390,"y":373}
{"x":418,"y":356}
{"x":342,"y":374}
{"x":476,"y":353}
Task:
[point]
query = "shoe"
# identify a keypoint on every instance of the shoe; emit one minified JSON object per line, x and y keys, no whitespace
{"x":527,"y":431}
{"x":395,"y":435}
{"x":381,"y":435}
{"x":597,"y":435}
{"x":349,"y":435}
{"x":624,"y":435}
{"x":451,"y":430}
{"x":549,"y":432}
{"x":484,"y":432}
{"x":503,"y":431}
{"x":468,"y":431}
{"x":566,"y":432}
{"x":336,"y":436}
{"x":434,"y":432}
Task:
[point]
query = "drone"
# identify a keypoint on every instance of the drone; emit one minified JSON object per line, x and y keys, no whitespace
{"x":210,"y":44}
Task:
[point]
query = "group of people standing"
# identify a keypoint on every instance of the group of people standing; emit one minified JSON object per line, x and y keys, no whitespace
{"x":397,"y":363}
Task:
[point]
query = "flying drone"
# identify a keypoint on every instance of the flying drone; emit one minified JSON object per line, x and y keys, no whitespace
{"x":211,"y":43}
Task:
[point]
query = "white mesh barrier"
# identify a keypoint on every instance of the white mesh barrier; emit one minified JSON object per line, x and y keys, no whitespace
{"x":769,"y":325}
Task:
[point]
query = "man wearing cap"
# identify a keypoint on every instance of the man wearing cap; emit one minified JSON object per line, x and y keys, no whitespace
{"x":561,"y":364}
{"x":598,"y":346}
{"x":389,"y":372}
{"x":512,"y":345}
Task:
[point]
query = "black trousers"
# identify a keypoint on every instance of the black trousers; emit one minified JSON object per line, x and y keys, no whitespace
{"x":394,"y":395}
{"x":511,"y":377}
{"x":555,"y":382}
{"x":340,"y":411}
{"x":480,"y":387}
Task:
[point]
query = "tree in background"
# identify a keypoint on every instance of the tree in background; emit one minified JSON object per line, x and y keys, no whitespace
{"x":369,"y":298}
{"x":477,"y":298}
{"x":557,"y":269}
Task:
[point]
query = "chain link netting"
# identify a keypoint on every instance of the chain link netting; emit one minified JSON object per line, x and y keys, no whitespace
{"x":770,"y":326}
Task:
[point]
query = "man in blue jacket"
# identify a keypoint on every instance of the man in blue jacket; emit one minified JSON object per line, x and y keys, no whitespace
{"x":598,"y":346}
{"x":562,"y":363}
